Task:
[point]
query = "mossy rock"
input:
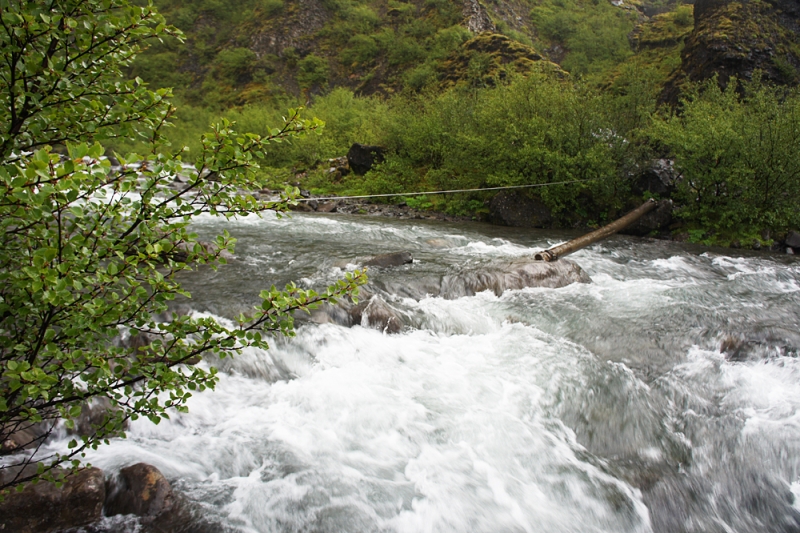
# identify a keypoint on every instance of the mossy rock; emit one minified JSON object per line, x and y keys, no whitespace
{"x":736,"y":39}
{"x":491,"y":56}
{"x":664,"y":30}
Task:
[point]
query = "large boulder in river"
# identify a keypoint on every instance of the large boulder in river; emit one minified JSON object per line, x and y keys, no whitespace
{"x":43,"y":507}
{"x":361,"y":157}
{"x":516,"y":209}
{"x":142,"y":490}
{"x":516,"y":274}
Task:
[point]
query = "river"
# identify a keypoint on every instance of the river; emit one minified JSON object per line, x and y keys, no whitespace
{"x":663,"y":396}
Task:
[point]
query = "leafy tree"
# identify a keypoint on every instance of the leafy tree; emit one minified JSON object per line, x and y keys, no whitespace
{"x":737,"y":151}
{"x":91,"y":251}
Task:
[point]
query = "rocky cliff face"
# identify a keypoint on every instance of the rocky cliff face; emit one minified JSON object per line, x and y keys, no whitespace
{"x":737,"y":39}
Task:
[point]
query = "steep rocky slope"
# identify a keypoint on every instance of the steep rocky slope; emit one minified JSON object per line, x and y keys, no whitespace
{"x":738,"y":39}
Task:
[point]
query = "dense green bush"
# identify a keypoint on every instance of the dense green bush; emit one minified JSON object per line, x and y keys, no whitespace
{"x":595,"y":33}
{"x":737,"y":149}
{"x":532,"y":130}
{"x":312,"y":71}
{"x":92,"y":253}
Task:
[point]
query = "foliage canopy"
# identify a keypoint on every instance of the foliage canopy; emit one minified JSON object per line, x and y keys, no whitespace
{"x":90,"y":251}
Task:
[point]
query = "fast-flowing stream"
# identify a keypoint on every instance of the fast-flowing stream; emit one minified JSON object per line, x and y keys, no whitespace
{"x":662,"y":396}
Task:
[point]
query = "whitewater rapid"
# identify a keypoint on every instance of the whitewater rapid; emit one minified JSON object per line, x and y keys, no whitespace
{"x":601,"y":407}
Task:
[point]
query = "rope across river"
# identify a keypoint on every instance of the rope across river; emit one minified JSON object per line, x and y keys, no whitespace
{"x":424,"y":193}
{"x":545,"y":255}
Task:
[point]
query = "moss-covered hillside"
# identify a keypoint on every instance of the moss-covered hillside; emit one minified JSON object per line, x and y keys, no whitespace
{"x":261,"y":50}
{"x":739,"y":38}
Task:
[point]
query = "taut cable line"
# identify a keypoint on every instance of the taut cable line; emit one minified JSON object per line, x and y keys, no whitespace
{"x":423,"y":193}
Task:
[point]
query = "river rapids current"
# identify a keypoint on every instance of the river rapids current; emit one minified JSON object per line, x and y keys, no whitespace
{"x":663,"y":396}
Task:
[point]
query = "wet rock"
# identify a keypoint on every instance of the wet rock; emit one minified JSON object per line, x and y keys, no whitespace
{"x":761,"y":343}
{"x":793,"y":240}
{"x":142,"y":490}
{"x":23,"y":435}
{"x":375,"y":313}
{"x":301,"y":207}
{"x":390,"y":260}
{"x":512,"y":275}
{"x":515,"y":209}
{"x":327,"y":207}
{"x":182,"y":250}
{"x":93,"y":415}
{"x":361,"y":157}
{"x":44,"y":508}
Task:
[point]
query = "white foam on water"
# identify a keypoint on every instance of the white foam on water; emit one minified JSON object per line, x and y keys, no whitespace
{"x":493,"y":248}
{"x":413,"y":432}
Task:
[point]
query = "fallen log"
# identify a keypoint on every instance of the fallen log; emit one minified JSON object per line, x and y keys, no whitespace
{"x":552,"y":254}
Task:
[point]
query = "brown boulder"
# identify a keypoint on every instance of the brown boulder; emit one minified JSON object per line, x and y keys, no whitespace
{"x":141,"y":489}
{"x":43,"y":507}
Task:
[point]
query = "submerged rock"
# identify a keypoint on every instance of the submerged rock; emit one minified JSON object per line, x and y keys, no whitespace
{"x":45,"y":508}
{"x":390,"y":260}
{"x":375,"y":313}
{"x":761,"y":343}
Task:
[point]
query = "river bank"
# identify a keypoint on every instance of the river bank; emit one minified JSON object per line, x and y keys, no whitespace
{"x":659,"y":224}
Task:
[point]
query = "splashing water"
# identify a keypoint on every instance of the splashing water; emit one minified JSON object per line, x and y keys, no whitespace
{"x":663,"y":396}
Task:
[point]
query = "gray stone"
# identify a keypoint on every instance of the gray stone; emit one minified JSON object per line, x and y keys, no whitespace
{"x":390,"y":260}
{"x":793,"y":239}
{"x":517,"y":274}
{"x":375,"y":313}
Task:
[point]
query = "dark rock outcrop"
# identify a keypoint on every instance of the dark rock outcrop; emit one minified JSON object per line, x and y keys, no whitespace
{"x":736,"y":39}
{"x":44,"y":508}
{"x":361,"y":157}
{"x":515,"y":209}
{"x":656,"y":221}
{"x":476,"y":18}
{"x":390,"y":260}
{"x":659,"y":178}
{"x":793,"y":241}
{"x":142,"y":490}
